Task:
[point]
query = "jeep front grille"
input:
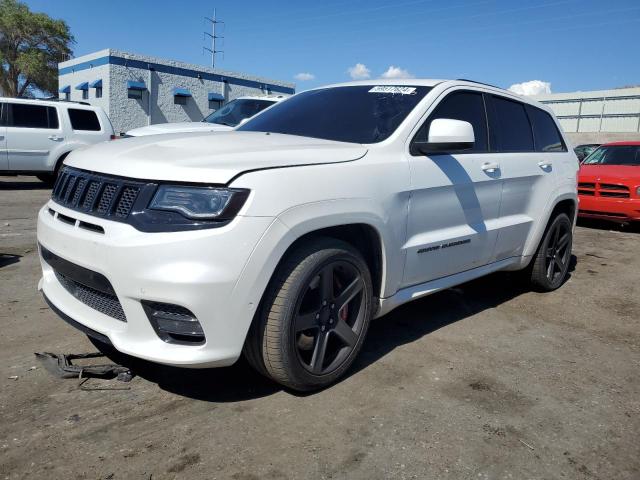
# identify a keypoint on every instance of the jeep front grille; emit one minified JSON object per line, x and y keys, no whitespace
{"x":96,"y":194}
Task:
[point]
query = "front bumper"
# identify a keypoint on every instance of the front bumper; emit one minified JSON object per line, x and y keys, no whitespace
{"x":616,"y":209}
{"x":209,"y":272}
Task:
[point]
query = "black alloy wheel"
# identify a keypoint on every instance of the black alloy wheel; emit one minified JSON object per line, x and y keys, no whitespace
{"x":314,"y":316}
{"x":550,"y":264}
{"x":558,"y":253}
{"x":329,"y":317}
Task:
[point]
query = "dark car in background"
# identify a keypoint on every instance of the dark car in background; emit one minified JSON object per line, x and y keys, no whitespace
{"x":584,"y":150}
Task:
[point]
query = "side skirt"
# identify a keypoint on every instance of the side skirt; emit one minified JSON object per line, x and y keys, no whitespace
{"x":416,"y":291}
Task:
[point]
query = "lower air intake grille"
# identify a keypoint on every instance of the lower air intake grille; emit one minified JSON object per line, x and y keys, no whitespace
{"x":100,"y":301}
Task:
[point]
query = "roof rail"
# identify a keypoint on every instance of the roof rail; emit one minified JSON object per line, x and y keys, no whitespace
{"x":56,"y":99}
{"x":479,"y":83}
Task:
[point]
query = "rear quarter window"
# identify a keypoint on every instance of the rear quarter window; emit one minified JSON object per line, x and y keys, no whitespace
{"x":545,"y":132}
{"x":86,"y":120}
{"x":510,"y":126}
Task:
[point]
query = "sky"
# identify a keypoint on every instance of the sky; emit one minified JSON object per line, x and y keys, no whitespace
{"x":535,"y":46}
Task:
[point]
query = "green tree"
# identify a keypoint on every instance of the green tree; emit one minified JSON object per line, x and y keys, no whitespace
{"x":31,"y":45}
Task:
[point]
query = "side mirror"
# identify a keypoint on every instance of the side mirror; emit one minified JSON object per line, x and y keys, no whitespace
{"x":447,"y":135}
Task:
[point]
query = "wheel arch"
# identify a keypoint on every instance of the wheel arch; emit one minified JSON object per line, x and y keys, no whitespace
{"x":362,"y":236}
{"x":567,"y":203}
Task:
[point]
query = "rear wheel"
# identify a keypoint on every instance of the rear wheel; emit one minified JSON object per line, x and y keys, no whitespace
{"x":314,"y":317}
{"x":550,"y":265}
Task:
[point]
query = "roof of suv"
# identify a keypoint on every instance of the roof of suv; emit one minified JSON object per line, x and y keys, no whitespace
{"x":271,"y":98}
{"x":49,"y":102}
{"x":431,"y":82}
{"x":423,"y":82}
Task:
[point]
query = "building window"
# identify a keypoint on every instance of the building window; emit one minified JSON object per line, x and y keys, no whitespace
{"x":134,"y":93}
{"x":67,"y":96}
{"x":85,"y":94}
{"x":179,"y":100}
{"x":98,"y":92}
{"x":215,"y":104}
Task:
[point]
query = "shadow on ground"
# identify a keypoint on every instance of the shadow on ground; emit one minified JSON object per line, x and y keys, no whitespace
{"x":633,"y":227}
{"x":14,"y":184}
{"x":404,"y":325}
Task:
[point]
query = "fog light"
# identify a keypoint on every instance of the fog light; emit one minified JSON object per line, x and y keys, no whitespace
{"x":173,"y":323}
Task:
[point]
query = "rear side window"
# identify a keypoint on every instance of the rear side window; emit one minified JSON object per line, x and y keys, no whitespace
{"x":465,"y":106}
{"x":511,"y":126}
{"x":546,"y":135}
{"x":84,"y":120}
{"x":25,"y":115}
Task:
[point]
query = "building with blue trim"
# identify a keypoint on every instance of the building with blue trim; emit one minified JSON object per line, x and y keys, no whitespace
{"x":138,"y":90}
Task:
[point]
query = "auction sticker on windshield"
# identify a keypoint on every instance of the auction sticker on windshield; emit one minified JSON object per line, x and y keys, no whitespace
{"x":391,"y":89}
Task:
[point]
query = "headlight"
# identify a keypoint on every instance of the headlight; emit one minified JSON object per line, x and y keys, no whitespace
{"x":199,"y":203}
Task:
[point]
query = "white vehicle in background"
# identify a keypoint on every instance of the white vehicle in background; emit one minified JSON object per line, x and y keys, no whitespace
{"x":224,"y":119}
{"x":37,"y":135}
{"x":285,"y":238}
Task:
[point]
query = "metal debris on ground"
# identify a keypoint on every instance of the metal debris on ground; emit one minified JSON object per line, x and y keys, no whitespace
{"x":62,"y":366}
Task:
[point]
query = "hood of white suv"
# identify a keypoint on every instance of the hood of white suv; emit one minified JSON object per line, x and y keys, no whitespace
{"x":179,"y":127}
{"x":206,"y":158}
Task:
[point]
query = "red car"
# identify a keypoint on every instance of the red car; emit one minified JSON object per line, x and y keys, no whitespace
{"x":609,"y":183}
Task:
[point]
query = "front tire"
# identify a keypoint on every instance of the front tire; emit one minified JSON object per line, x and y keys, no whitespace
{"x":314,"y":317}
{"x":550,"y":265}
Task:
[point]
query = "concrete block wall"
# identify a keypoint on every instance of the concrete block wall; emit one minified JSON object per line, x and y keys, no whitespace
{"x":160,"y":77}
{"x":89,"y":74}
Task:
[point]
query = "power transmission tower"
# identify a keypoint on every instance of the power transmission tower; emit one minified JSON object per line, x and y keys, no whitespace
{"x":214,"y":21}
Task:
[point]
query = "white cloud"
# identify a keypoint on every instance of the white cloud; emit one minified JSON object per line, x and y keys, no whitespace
{"x":359,"y":72}
{"x":304,"y":76}
{"x":532,"y":87}
{"x":396,"y":72}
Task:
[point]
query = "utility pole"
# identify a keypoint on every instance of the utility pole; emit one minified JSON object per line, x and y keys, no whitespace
{"x":214,"y":21}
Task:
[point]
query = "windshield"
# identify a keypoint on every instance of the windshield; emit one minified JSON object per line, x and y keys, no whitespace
{"x":614,"y":155}
{"x":237,"y":110}
{"x":358,"y":114}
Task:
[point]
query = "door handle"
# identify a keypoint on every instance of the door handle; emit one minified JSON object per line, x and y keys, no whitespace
{"x":490,"y":167}
{"x":55,"y":138}
{"x":545,"y":164}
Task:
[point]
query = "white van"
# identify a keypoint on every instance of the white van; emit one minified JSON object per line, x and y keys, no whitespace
{"x":36,"y":135}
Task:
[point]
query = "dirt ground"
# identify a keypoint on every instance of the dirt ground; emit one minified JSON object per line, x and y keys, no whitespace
{"x":482,"y":381}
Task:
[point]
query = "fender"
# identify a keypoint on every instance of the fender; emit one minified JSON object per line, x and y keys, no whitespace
{"x":298,"y":221}
{"x":534,"y":239}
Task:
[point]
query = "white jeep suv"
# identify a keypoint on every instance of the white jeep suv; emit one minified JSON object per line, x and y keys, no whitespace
{"x":224,"y":119}
{"x":37,"y":135}
{"x":286,"y":237}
